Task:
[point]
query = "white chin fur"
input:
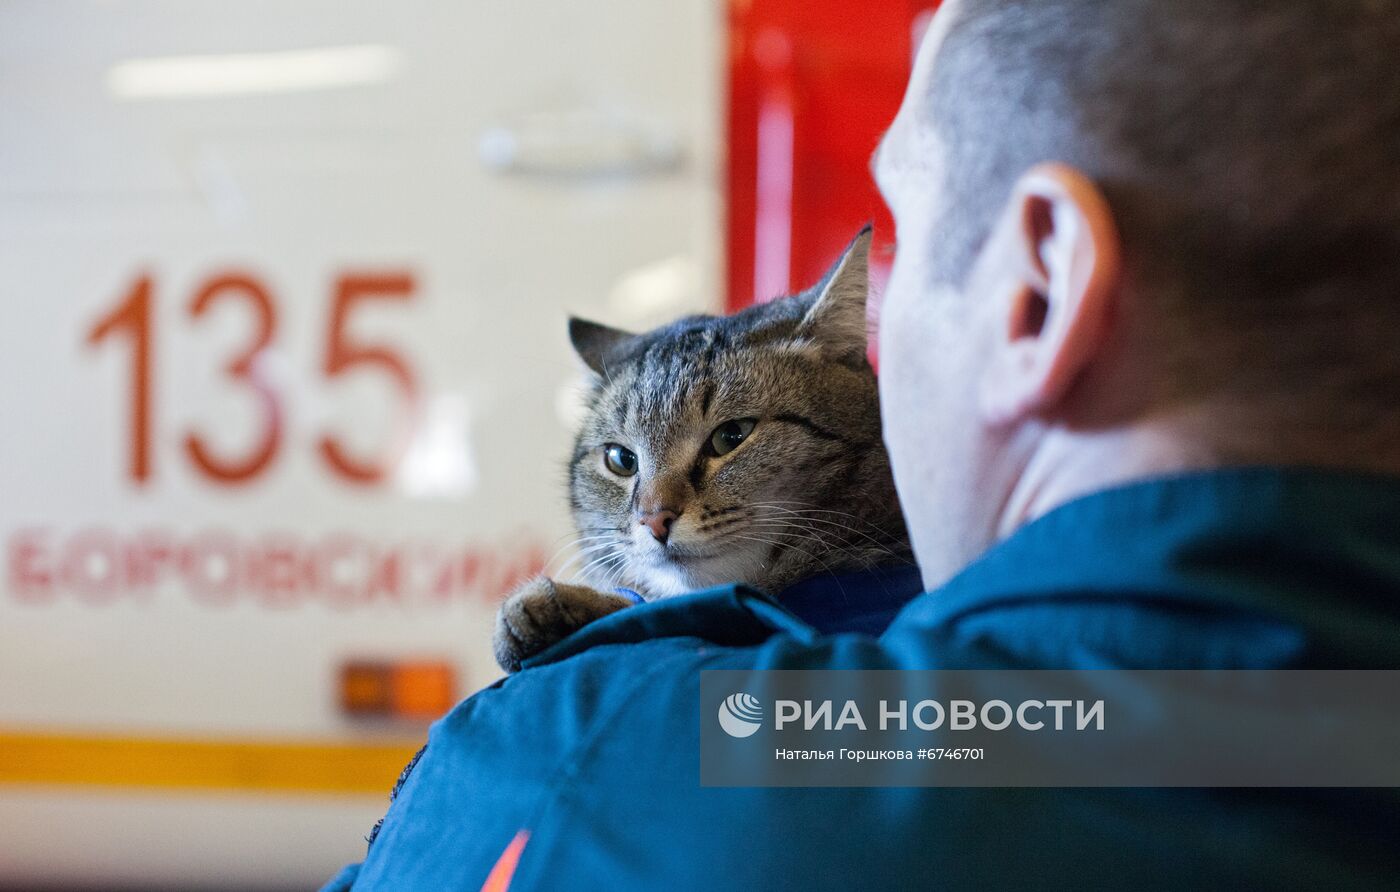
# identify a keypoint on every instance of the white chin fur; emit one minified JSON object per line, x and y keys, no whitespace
{"x":664,"y":579}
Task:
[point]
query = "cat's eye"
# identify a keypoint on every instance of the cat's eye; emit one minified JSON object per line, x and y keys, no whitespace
{"x":620,"y":460}
{"x":729,"y":435}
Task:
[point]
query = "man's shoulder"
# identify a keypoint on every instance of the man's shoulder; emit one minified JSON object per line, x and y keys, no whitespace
{"x":863,"y":601}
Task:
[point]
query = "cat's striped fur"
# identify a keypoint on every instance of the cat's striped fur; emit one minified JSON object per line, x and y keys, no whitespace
{"x":805,"y":490}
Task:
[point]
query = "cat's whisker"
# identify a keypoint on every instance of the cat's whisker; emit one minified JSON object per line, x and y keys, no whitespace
{"x":601,"y":544}
{"x":581,"y":532}
{"x":594,"y":576}
{"x":795,"y":531}
{"x":607,"y":569}
{"x":846,"y":556}
{"x":804,"y":521}
{"x":576,"y":539}
{"x":821,"y":526}
{"x":615,"y":578}
{"x":603,"y":564}
{"x":809,"y":554}
{"x":805,"y":516}
{"x":852,"y":548}
{"x":563,"y":548}
{"x":810,"y":508}
{"x":584,"y":551}
{"x":605,"y":558}
{"x":573,"y":563}
{"x":778,"y":543}
{"x":576,"y":543}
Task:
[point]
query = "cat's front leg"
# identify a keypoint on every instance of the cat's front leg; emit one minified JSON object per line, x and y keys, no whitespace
{"x":541,"y":612}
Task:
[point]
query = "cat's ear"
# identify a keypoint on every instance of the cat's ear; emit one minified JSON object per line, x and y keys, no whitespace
{"x":836,"y":321}
{"x":594,"y":343}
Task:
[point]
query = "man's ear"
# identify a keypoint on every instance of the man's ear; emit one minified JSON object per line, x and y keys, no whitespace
{"x":837,"y":320}
{"x":595,"y":343}
{"x":1059,"y":270}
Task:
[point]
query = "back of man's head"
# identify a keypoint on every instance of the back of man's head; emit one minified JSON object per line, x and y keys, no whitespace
{"x":1249,"y":149}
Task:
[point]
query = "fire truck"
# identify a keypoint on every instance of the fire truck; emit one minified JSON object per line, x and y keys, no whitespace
{"x":286,"y":386}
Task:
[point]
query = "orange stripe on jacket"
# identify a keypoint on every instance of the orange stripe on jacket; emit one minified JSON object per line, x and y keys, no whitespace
{"x":499,"y":878}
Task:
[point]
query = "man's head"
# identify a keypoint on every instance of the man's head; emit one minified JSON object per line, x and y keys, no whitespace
{"x":1137,"y":236}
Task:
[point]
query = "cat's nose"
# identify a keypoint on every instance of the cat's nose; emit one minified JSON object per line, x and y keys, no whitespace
{"x":659,"y":522}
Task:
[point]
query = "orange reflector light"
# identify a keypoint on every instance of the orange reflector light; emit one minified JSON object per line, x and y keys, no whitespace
{"x":418,"y":690}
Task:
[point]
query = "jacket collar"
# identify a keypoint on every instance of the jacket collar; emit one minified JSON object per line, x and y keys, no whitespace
{"x":1314,"y":549}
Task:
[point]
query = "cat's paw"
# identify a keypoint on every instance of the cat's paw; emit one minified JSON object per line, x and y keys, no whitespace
{"x":543,"y":611}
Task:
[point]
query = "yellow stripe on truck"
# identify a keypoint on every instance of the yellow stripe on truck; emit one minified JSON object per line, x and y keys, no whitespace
{"x":258,"y":766}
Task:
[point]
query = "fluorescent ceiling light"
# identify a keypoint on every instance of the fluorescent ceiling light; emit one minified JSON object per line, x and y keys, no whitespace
{"x":240,"y":73}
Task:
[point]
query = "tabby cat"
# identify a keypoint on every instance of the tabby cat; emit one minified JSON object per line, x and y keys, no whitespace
{"x":740,"y":448}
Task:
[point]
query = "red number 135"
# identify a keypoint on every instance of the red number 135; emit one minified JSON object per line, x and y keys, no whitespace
{"x":133,"y":320}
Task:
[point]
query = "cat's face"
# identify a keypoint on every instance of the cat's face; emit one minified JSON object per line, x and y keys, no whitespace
{"x":734,"y":449}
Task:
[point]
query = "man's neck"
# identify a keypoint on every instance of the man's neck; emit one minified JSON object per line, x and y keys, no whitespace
{"x":1068,"y":464}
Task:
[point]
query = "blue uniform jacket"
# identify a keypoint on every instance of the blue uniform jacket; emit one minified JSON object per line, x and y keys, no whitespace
{"x":582,"y":771}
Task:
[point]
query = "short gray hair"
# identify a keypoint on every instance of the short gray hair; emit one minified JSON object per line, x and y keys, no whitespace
{"x":1250,"y":150}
